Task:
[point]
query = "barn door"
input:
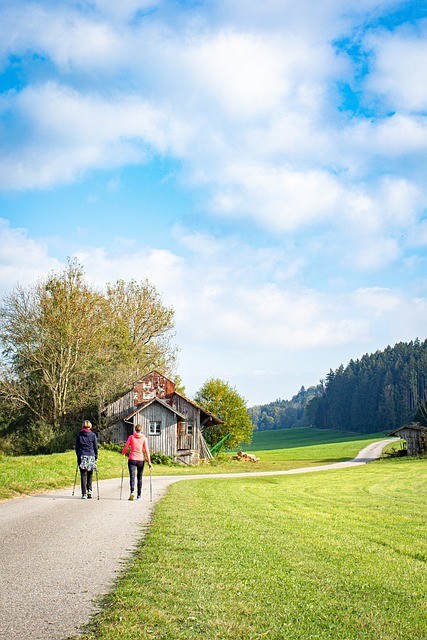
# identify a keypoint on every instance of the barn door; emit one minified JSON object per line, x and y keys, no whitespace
{"x":183,"y":439}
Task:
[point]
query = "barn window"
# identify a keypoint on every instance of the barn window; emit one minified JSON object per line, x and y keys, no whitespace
{"x":154,"y":428}
{"x":190,"y":427}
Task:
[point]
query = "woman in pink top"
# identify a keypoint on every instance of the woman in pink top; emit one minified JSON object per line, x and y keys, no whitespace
{"x":139,"y":453}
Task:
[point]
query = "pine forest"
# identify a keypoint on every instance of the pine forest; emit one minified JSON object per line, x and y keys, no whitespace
{"x":380,"y":392}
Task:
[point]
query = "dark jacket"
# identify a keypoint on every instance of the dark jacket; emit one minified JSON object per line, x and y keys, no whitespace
{"x":86,"y":444}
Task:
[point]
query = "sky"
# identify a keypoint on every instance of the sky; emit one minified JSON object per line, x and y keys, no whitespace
{"x":263,"y":164}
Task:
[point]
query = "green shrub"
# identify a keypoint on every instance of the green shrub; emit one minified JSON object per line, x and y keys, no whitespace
{"x":156,"y":458}
{"x":113,"y":446}
{"x":161,"y":458}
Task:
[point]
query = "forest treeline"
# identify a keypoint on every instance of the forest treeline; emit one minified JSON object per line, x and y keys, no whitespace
{"x":379,"y":392}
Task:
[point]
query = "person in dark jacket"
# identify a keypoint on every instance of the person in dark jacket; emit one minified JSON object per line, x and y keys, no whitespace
{"x":87,"y":455}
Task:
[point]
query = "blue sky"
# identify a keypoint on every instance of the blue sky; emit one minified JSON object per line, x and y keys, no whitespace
{"x":263,"y":164}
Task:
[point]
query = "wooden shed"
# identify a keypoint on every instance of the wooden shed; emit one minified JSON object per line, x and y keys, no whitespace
{"x":415,"y":436}
{"x":172,"y":423}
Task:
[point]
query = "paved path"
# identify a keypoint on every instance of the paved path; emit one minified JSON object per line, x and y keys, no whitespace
{"x":59,"y":554}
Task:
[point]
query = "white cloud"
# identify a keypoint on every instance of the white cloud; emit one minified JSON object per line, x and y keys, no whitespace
{"x":22,"y":259}
{"x":68,"y":133}
{"x":280,"y":198}
{"x":400,"y":68}
{"x":371,"y":146}
{"x":68,"y":37}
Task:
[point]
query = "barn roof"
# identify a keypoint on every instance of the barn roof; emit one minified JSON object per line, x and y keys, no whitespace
{"x":412,"y":427}
{"x":141,"y":407}
{"x":212,"y":418}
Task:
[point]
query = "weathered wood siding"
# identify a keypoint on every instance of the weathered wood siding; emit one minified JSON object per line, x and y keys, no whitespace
{"x":117,"y":432}
{"x":166,"y":441}
{"x":187,"y":409}
{"x":416,"y":441}
{"x":120,"y":408}
{"x":192,"y":413}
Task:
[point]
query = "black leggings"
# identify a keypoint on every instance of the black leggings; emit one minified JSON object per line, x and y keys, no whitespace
{"x":138,"y":466}
{"x":86,"y":481}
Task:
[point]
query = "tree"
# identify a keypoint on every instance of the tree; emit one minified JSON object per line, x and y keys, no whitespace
{"x":66,"y":346}
{"x":221,"y":399}
{"x":421,"y":414}
{"x":140,"y":330}
{"x":52,"y":336}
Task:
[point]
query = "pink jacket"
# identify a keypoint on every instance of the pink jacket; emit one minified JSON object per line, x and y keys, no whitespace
{"x":138,"y":448}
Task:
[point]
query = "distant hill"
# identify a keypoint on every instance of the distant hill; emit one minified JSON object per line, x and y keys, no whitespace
{"x":380,"y":392}
{"x":284,"y":414}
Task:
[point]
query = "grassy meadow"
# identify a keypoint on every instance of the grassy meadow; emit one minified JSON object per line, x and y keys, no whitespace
{"x":277,"y":450}
{"x":334,"y":555}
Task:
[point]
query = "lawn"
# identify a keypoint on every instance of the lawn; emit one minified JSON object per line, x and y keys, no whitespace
{"x":336,"y":555}
{"x":278,"y":450}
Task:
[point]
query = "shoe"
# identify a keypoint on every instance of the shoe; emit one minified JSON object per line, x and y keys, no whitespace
{"x":138,"y":497}
{"x":132,"y":496}
{"x":84,"y":496}
{"x":89,"y":495}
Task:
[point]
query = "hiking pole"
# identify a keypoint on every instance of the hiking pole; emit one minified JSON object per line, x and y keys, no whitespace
{"x":97,"y":482}
{"x":151,"y":487}
{"x":75,"y":479}
{"x":123,"y":470}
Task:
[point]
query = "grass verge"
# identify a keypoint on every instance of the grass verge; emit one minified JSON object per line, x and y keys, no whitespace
{"x":23,"y":475}
{"x":339,"y":555}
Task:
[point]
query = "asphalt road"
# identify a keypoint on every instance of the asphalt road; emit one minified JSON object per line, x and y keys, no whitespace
{"x":59,"y":554}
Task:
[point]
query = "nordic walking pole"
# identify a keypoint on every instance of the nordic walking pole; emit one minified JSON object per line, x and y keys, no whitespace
{"x":97,"y":482}
{"x":75,"y":479}
{"x":151,"y":487}
{"x":123,"y":470}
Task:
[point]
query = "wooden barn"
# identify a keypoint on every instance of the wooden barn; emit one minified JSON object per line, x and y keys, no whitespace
{"x":172,"y":423}
{"x":415,"y":436}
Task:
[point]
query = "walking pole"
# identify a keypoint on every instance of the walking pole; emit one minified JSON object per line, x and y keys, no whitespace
{"x":151,"y":487}
{"x":97,"y":482}
{"x":123,"y":470}
{"x":75,"y":479}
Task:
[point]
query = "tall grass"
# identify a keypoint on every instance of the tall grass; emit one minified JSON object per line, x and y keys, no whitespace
{"x":336,"y":555}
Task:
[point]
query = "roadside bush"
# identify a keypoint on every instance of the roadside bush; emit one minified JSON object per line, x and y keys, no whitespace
{"x":161,"y":458}
{"x":113,"y":446}
{"x":156,"y":458}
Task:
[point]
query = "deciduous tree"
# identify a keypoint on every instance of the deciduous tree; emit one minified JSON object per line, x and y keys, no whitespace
{"x":221,"y":399}
{"x":66,"y":345}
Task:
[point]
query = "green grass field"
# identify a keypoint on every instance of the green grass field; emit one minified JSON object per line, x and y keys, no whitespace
{"x":335,"y":555}
{"x":285,"y":449}
{"x":300,"y":437}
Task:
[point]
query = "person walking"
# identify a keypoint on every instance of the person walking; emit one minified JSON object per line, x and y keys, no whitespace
{"x":87,"y":456}
{"x":139,"y":454}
